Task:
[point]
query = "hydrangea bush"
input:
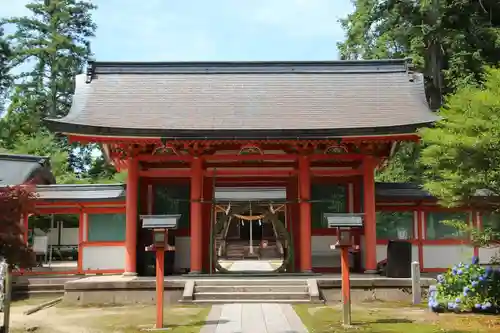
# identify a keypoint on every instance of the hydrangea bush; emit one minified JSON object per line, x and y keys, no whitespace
{"x":465,"y":288}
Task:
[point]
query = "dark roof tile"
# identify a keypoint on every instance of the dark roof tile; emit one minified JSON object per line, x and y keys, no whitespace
{"x":19,"y":169}
{"x":84,"y":192}
{"x":217,"y":99}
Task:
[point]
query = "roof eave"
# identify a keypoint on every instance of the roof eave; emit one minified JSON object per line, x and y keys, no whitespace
{"x":58,"y":125}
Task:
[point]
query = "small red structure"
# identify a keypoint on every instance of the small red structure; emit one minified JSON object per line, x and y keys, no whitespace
{"x":159,"y":225}
{"x":344,"y":246}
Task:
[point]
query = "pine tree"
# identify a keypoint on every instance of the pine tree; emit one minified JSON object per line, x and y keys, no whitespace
{"x":53,"y":42}
{"x":5,"y":78}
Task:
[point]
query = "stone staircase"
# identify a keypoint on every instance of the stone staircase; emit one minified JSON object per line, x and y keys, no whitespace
{"x":24,"y":287}
{"x":256,"y":290}
{"x":235,"y":250}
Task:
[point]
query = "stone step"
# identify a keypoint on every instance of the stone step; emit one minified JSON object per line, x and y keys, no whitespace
{"x":252,"y":288}
{"x":251,"y":295}
{"x":20,"y":295}
{"x":38,"y":286}
{"x":232,"y":301}
{"x":251,"y":282}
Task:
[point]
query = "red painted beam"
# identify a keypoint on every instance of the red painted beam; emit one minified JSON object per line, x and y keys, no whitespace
{"x":165,"y":173}
{"x":337,"y":157}
{"x":338,"y":173}
{"x":234,"y":157}
{"x":252,"y":172}
{"x":165,"y":158}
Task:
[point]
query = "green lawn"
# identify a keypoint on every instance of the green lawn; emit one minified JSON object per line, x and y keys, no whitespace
{"x":394,"y":318}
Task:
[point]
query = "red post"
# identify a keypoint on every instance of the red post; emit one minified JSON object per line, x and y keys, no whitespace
{"x":160,"y":276}
{"x":305,"y":214}
{"x":346,"y":284}
{"x":370,"y":228}
{"x":131,"y":216}
{"x":196,"y":215}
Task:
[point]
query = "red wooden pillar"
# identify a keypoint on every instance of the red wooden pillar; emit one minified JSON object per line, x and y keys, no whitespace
{"x":207,"y":219}
{"x":131,"y":200}
{"x":305,"y":214}
{"x":81,"y":228}
{"x":196,"y":215}
{"x":292,"y":214}
{"x":369,"y":164}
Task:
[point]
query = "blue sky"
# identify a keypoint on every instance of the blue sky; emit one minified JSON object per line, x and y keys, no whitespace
{"x":206,"y":30}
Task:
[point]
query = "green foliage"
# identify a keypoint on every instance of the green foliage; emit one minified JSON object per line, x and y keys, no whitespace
{"x":51,"y":46}
{"x":449,"y":41}
{"x":464,"y":288}
{"x":462,"y":153}
{"x":402,"y":167}
{"x":45,"y":144}
{"x":5,"y":78}
{"x":55,"y":38}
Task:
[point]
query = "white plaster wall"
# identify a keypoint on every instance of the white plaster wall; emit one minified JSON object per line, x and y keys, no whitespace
{"x":444,"y":256}
{"x":183,"y":252}
{"x":485,"y":254}
{"x":103,"y":257}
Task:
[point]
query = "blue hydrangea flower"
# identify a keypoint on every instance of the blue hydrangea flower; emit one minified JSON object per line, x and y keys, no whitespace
{"x":478,"y":306}
{"x":488,"y":271}
{"x":475,"y":260}
{"x":458,"y":300}
{"x":486,"y":306}
{"x":481,"y":278}
{"x":451,"y":305}
{"x":474,"y":283}
{"x":440,"y":278}
{"x":460,"y":272}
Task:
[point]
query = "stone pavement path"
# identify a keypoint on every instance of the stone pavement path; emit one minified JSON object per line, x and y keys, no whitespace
{"x":253,"y":318}
{"x":251,"y":265}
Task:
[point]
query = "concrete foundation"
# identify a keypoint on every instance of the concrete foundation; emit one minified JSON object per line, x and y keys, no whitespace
{"x":131,"y":290}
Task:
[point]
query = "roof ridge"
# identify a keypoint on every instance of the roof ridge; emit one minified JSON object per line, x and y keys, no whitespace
{"x":247,"y":67}
{"x":24,"y":157}
{"x":78,"y":186}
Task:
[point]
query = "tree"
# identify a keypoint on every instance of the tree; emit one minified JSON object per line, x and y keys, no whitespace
{"x":44,"y":144}
{"x":14,"y":202}
{"x":5,"y":78}
{"x":448,"y":41}
{"x":462,"y":152}
{"x":53,"y":43}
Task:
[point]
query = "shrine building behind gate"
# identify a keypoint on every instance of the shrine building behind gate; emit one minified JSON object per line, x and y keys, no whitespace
{"x":189,"y":133}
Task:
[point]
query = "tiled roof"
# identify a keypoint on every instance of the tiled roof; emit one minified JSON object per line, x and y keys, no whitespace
{"x":400,"y":191}
{"x":84,"y":192}
{"x":247,"y":99}
{"x":19,"y":169}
